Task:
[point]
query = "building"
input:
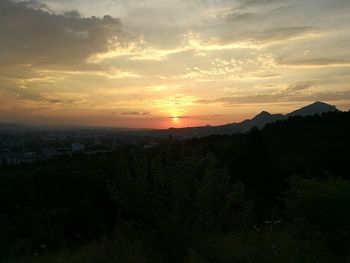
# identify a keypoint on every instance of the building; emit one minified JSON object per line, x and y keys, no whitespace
{"x":78,"y":147}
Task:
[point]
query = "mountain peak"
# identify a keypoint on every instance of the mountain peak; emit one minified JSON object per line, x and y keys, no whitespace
{"x":263,"y":114}
{"x":319,"y":103}
{"x":317,"y":107}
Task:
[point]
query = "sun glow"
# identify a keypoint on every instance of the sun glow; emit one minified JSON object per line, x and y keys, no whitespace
{"x":175,"y":119}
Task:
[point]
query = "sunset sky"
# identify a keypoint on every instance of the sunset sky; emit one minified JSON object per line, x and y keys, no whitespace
{"x":169,"y":63}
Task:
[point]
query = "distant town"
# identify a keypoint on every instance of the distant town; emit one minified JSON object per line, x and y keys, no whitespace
{"x":21,"y":144}
{"x":27,"y":146}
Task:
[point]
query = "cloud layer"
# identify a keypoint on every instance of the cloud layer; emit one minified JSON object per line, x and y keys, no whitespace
{"x":139,"y":62}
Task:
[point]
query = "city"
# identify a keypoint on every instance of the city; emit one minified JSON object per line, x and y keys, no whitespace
{"x":21,"y":146}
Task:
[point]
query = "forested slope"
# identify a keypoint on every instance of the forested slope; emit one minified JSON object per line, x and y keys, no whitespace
{"x":280,"y":194}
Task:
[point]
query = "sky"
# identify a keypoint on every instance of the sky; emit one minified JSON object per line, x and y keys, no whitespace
{"x":169,"y":63}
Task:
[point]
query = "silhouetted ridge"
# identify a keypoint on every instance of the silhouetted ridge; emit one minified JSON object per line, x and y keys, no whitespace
{"x":259,"y":121}
{"x":314,"y":108}
{"x":263,"y":114}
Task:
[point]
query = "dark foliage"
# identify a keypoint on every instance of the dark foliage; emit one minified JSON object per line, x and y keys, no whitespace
{"x":280,"y":194}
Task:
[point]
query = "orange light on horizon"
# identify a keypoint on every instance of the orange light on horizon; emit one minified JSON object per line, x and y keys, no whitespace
{"x":175,"y":119}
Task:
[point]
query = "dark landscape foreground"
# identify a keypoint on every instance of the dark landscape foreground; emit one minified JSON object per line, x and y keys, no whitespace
{"x":279,"y":194}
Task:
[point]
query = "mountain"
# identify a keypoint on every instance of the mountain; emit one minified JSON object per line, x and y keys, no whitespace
{"x":259,"y":121}
{"x":314,"y":108}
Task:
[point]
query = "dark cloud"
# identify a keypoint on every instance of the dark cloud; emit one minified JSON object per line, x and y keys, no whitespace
{"x":72,"y":14}
{"x":314,"y":62}
{"x":31,"y":34}
{"x":182,"y":117}
{"x":35,"y":4}
{"x":136,"y":113}
{"x":299,"y":86}
{"x":283,"y":33}
{"x":256,"y":18}
{"x":22,"y":93}
{"x":269,"y":75}
{"x":269,"y":35}
{"x":250,"y":3}
{"x":265,"y":25}
{"x":286,"y":96}
{"x":242,"y":17}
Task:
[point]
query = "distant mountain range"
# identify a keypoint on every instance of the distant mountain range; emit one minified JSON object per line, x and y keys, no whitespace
{"x":259,"y":121}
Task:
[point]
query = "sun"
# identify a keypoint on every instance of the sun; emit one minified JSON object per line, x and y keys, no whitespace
{"x":175,"y":119}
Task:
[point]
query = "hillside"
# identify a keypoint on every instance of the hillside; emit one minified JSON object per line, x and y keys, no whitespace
{"x":280,"y":194}
{"x":259,"y":121}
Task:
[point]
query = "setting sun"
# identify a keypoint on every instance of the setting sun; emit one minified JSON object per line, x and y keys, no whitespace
{"x":175,"y":119}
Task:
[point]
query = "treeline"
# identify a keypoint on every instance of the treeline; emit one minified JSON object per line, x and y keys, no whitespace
{"x":280,"y":194}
